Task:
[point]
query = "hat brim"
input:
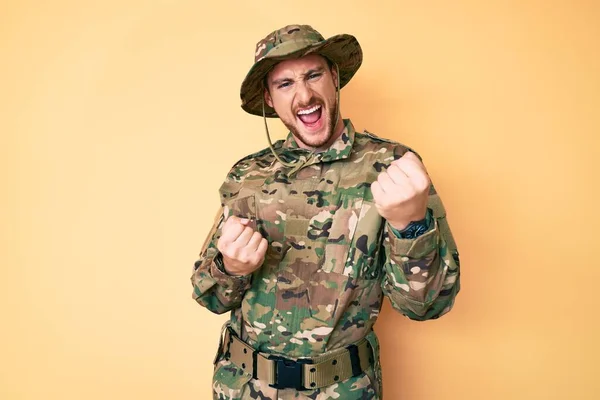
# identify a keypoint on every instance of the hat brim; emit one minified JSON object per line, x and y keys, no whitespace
{"x":344,"y":50}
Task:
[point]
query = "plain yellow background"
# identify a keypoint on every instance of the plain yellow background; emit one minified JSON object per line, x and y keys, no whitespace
{"x":119,"y":119}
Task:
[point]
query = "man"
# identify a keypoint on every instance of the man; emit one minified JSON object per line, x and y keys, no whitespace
{"x":313,"y":232}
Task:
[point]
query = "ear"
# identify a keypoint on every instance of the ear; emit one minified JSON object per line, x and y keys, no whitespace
{"x":268,"y":99}
{"x":334,"y":75}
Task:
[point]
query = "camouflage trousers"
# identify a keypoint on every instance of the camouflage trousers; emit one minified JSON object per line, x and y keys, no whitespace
{"x":233,"y":383}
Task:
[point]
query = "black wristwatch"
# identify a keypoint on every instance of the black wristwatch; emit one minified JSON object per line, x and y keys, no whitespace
{"x":218,"y":260}
{"x":416,"y":228}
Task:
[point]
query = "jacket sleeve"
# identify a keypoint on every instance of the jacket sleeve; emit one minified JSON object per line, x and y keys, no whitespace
{"x":214,"y":289}
{"x":422,"y":274}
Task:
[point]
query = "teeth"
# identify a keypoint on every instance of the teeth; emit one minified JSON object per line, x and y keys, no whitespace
{"x":310,"y":110}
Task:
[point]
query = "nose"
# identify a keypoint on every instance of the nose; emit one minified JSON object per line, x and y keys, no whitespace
{"x":303,"y":93}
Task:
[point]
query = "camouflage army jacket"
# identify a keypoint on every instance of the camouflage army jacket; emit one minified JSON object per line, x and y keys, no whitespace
{"x":331,"y":257}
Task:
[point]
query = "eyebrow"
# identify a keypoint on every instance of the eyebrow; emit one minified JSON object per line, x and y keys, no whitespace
{"x":311,"y":71}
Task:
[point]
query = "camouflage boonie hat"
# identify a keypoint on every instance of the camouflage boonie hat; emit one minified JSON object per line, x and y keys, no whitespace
{"x":290,"y":42}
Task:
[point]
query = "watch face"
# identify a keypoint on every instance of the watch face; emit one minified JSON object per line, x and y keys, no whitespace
{"x":415,"y":229}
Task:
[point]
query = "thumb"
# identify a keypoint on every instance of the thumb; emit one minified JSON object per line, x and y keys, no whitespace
{"x":233,"y":219}
{"x":243,"y":221}
{"x":378,"y":192}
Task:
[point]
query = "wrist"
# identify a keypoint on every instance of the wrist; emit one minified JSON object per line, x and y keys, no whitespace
{"x":402,"y":224}
{"x":220,"y":263}
{"x":414,"y":228}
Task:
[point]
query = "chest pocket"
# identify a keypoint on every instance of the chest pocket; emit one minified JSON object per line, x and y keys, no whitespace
{"x":306,"y":287}
{"x":327,"y":250}
{"x":243,"y":206}
{"x":354,"y":240}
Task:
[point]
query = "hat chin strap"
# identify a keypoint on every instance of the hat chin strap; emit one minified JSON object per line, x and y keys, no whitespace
{"x":337,"y":113}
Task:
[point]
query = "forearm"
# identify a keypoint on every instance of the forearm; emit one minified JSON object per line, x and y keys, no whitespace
{"x":422,"y":273}
{"x":215,"y":289}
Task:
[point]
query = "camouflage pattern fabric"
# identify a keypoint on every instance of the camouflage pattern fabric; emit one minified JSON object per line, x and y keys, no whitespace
{"x":330,"y":261}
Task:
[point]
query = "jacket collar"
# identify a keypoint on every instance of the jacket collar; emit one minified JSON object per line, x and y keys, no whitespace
{"x":340,"y":149}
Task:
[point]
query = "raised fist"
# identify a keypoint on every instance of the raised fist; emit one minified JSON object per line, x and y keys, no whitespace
{"x":242,"y":248}
{"x":401,"y":193}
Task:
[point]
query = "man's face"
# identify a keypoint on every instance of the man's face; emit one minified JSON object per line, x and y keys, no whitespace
{"x":303,"y":93}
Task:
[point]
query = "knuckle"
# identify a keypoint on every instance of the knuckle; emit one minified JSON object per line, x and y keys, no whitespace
{"x":234,"y":252}
{"x":397,"y":200}
{"x":225,"y":228}
{"x":385,"y":201}
{"x":423,"y":183}
{"x":254,"y":261}
{"x":223,"y":244}
{"x":259,"y":257}
{"x":261,"y":252}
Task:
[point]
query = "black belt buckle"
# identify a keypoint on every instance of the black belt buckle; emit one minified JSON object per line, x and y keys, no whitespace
{"x":289,"y":374}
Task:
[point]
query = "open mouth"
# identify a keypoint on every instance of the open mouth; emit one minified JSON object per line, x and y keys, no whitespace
{"x":311,"y":117}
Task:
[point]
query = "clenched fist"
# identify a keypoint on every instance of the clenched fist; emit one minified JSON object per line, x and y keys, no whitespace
{"x":401,"y":192}
{"x":242,"y":248}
